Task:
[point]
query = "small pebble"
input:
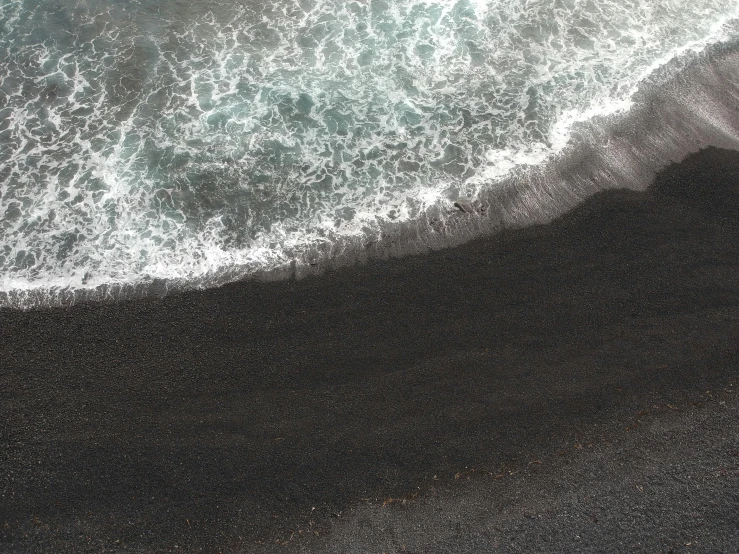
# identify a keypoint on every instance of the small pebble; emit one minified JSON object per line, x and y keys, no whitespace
{"x":464,"y":204}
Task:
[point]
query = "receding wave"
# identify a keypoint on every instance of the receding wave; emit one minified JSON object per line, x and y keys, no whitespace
{"x":148,"y":148}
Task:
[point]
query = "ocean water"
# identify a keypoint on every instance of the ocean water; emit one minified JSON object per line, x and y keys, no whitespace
{"x":147,"y":141}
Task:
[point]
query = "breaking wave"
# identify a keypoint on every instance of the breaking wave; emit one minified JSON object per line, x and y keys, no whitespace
{"x":146,"y":148}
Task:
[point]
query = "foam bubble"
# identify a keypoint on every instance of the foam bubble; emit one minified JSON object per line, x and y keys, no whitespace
{"x":156,"y":142}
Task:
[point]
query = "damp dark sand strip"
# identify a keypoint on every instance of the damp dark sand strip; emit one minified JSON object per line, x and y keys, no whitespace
{"x":561,"y":388}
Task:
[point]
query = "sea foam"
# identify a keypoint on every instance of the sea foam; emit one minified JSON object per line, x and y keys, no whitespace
{"x":146,"y":148}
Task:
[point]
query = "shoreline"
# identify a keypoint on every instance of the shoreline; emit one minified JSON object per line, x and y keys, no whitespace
{"x":258,"y":412}
{"x":688,"y":104}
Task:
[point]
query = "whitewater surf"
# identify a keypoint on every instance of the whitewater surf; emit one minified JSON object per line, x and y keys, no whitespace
{"x":148,"y":147}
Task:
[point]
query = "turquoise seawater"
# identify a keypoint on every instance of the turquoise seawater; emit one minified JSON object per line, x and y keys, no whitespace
{"x":146,"y":139}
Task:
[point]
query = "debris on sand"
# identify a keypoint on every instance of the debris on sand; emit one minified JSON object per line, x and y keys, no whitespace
{"x":465,"y":204}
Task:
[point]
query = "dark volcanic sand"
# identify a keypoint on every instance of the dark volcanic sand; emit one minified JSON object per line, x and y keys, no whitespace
{"x":565,"y":388}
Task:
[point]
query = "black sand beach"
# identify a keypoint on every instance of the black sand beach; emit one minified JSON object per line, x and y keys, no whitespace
{"x":562,"y":388}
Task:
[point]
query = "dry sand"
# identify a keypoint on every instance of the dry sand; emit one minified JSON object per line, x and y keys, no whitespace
{"x":562,"y":388}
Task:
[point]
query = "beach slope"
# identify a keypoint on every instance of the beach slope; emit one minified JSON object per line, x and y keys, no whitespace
{"x":562,"y":388}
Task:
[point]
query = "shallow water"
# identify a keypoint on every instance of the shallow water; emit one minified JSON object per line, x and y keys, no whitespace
{"x":144,"y":140}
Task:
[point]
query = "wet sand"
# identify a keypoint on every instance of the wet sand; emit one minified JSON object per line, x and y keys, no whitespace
{"x":562,"y":388}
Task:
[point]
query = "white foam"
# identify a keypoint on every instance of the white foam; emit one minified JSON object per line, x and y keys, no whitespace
{"x":147,"y":149}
